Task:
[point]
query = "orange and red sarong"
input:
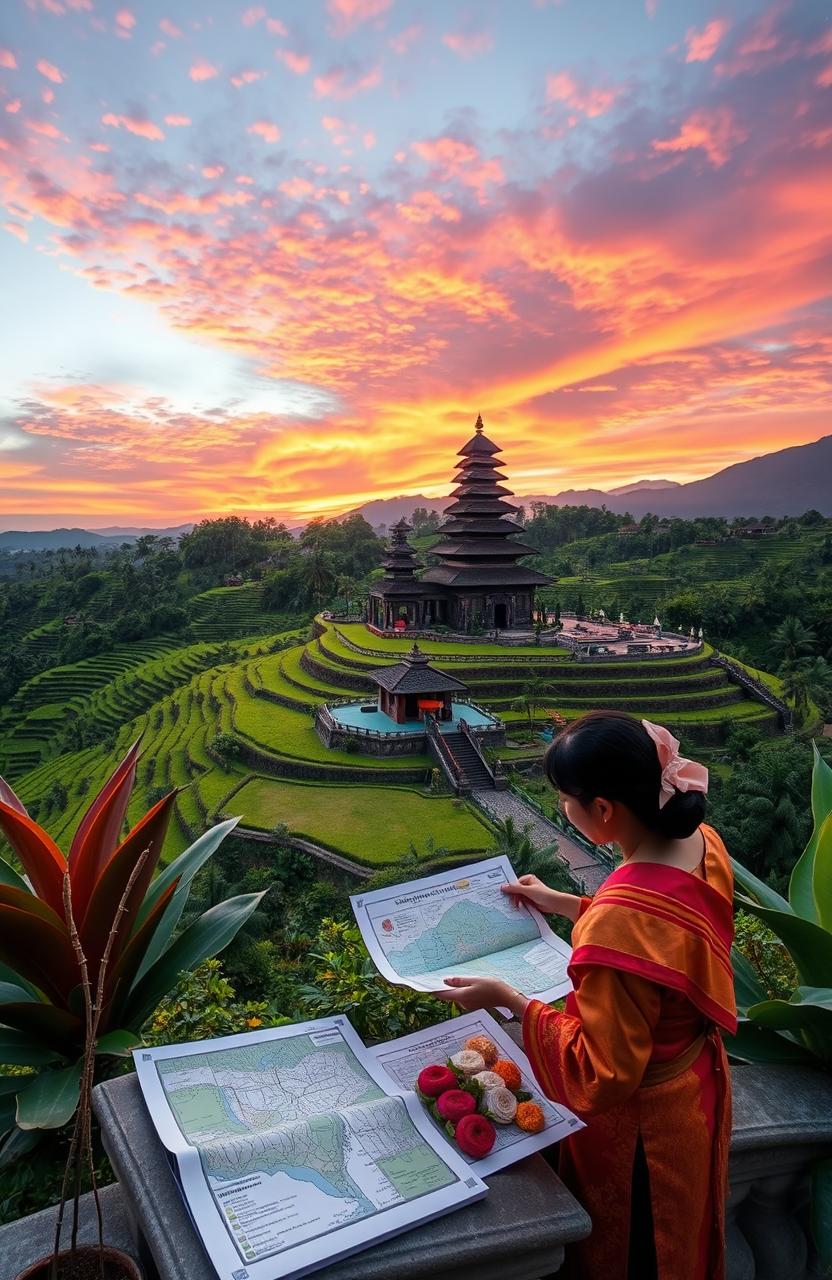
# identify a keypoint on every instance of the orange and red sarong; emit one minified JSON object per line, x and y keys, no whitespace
{"x":637,"y":1054}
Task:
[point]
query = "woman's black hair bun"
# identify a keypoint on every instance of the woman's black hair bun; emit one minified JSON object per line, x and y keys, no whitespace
{"x":683,"y":813}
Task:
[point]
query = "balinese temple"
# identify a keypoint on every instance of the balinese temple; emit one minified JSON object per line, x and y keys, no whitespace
{"x":409,"y":688}
{"x":478,"y":582}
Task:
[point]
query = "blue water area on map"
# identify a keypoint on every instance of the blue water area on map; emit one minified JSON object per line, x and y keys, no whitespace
{"x":352,"y":717}
{"x":466,"y":931}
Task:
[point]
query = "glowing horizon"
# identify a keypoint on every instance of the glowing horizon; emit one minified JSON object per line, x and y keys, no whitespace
{"x":274,"y":260}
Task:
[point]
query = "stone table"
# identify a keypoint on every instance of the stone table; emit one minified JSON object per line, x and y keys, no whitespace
{"x":516,"y":1233}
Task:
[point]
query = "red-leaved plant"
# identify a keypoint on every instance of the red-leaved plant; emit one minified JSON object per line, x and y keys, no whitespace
{"x":111,"y":882}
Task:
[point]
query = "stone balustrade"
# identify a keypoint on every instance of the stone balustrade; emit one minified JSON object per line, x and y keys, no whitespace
{"x":782,"y":1125}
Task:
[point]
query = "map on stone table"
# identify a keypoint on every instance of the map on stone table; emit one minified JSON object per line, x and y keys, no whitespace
{"x":289,"y":1138}
{"x":460,"y":923}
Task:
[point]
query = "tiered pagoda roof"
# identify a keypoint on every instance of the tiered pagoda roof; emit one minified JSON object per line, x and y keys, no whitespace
{"x":414,"y":674}
{"x":479,"y":547}
{"x":400,"y":564}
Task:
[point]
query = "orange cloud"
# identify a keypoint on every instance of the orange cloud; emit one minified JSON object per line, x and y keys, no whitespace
{"x":266,"y":130}
{"x":178,"y":122}
{"x":453,"y":160}
{"x":49,"y":70}
{"x":714,"y":132}
{"x":591,"y":102}
{"x":203,"y":70}
{"x":142,"y":128}
{"x":341,"y":83}
{"x":702,"y":45}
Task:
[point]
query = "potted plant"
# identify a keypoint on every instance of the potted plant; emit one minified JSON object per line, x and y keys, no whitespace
{"x":85,"y":1262}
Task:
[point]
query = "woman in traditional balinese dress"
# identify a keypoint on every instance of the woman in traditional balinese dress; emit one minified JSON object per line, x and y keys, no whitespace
{"x":637,"y":1052}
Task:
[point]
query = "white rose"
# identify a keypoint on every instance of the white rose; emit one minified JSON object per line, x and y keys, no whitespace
{"x":489,"y":1080}
{"x":500,"y":1105}
{"x":468,"y":1061}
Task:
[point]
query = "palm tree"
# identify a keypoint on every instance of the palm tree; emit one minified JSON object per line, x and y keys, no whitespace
{"x":318,"y":574}
{"x":534,"y":694}
{"x":792,"y":640}
{"x":796,"y":686}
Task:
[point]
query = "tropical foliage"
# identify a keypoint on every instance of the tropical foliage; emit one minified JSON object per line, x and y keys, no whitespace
{"x":798,"y":1028}
{"x":41,"y":980}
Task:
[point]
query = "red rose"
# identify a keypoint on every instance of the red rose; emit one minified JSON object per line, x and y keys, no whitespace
{"x":435,"y":1080}
{"x":455,"y":1104}
{"x":475,"y":1135}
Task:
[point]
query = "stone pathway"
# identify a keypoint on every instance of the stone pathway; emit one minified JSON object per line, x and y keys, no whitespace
{"x":505,"y":804}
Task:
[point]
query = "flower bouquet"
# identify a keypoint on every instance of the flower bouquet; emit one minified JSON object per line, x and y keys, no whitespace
{"x":474,"y":1091}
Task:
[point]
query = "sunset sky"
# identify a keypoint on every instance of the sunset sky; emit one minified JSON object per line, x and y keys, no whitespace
{"x":274,"y":259}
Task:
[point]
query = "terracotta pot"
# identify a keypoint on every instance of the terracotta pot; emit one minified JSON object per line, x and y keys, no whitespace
{"x":84,"y":1264}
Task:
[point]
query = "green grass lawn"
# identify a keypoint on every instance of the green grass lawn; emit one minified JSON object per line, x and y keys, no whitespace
{"x":369,"y":824}
{"x":358,"y":634}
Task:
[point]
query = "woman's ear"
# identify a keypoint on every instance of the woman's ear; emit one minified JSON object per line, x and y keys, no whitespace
{"x":604,"y":809}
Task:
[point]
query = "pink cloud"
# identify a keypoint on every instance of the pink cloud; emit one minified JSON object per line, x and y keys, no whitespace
{"x":276,"y":27}
{"x":369,"y":139}
{"x":8,"y":60}
{"x":563,"y":87}
{"x":468,"y":44}
{"x":254,"y":14}
{"x":245,"y":179}
{"x":142,"y":128}
{"x":349,"y":14}
{"x":14,"y":106}
{"x":45,"y":129}
{"x":99,"y":146}
{"x":247,"y":77}
{"x":266,"y":130}
{"x":50,"y":71}
{"x":715,"y":132}
{"x":178,"y":122}
{"x":213,"y":171}
{"x":702,"y":45}
{"x":202,"y":70}
{"x":340,"y":83}
{"x":297,"y":62}
{"x":15,"y":229}
{"x":170,"y":28}
{"x":405,"y":39}
{"x":125,"y":20}
{"x":48,"y":96}
{"x":452,"y":160}
{"x":297,"y":188}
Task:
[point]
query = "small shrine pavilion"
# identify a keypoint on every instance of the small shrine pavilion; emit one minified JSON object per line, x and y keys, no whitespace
{"x":478,"y":584}
{"x":409,"y":688}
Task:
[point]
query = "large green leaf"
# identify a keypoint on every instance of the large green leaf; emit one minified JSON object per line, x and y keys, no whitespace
{"x":17,"y":1144}
{"x":748,"y":989}
{"x":46,"y":1023}
{"x":759,"y":1044}
{"x":118,"y":1043}
{"x":822,"y":1212}
{"x":203,"y":939}
{"x":808,"y":1006}
{"x":757,"y":889}
{"x":7,"y":974}
{"x":185,"y":867}
{"x":809,"y":946}
{"x":21,"y":1050}
{"x":14,"y":992}
{"x":9,"y":876}
{"x":802,"y":889}
{"x":51,"y":1100}
{"x":822,"y":879}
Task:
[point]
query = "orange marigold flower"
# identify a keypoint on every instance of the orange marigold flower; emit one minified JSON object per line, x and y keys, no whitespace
{"x":254,"y":1022}
{"x":529,"y":1117}
{"x":486,"y":1048}
{"x":510,"y":1073}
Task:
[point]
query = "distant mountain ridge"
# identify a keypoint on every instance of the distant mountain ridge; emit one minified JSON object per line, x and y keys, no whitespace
{"x":784,"y":483}
{"x":55,"y":539}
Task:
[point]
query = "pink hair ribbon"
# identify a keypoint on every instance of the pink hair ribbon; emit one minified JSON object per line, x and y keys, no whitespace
{"x":678,"y":774}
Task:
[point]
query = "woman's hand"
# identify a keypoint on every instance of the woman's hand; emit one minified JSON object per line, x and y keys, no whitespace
{"x":551,"y":901}
{"x":483,"y":993}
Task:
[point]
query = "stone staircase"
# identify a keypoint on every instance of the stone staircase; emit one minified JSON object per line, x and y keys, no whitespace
{"x":470,"y":761}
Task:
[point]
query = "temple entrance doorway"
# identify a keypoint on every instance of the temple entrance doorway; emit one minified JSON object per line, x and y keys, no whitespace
{"x":501,"y":616}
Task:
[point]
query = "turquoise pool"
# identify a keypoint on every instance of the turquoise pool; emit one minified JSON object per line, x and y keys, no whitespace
{"x":352,"y":717}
